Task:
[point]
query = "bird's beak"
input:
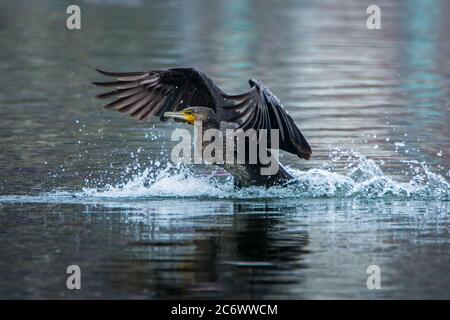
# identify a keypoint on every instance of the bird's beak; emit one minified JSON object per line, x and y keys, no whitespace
{"x":176,"y":115}
{"x":180,"y":115}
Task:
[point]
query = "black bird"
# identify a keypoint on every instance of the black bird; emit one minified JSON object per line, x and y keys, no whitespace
{"x":188,"y":95}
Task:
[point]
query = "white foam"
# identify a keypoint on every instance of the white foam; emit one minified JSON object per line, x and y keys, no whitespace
{"x":363,"y":179}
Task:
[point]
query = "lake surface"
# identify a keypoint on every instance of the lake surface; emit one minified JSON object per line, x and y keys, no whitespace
{"x":83,"y":186}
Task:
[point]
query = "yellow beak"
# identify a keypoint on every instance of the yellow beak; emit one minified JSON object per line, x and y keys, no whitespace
{"x":190,"y":118}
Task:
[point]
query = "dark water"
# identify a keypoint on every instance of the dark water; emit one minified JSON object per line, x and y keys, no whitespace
{"x":79,"y":185}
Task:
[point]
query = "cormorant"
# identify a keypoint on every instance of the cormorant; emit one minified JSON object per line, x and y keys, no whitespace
{"x":188,"y":95}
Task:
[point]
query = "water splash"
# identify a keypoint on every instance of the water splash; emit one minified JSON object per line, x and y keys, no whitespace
{"x":362,"y":178}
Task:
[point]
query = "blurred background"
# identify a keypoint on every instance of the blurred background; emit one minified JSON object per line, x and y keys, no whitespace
{"x":346,"y":86}
{"x":382,"y":93}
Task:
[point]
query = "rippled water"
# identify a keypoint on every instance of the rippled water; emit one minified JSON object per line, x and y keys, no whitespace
{"x":80,"y":185}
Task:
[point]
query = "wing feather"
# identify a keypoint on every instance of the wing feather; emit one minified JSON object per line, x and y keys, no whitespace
{"x":146,"y":94}
{"x":259,"y":108}
{"x":143,"y":95}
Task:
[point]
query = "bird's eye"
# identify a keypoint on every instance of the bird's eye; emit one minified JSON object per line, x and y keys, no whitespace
{"x":188,"y":112}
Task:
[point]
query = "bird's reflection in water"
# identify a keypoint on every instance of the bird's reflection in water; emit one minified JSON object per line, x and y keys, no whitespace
{"x":249,"y":253}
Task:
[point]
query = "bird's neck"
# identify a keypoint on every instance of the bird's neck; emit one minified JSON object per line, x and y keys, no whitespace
{"x":200,"y":129}
{"x":210,"y":124}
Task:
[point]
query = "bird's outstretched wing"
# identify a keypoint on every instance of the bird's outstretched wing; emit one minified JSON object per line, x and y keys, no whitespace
{"x":258,"y":109}
{"x":146,"y":94}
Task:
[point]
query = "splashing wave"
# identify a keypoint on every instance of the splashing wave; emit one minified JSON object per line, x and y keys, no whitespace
{"x":362,"y":178}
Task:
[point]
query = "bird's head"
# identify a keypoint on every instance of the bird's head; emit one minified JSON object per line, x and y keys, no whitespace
{"x":192,"y":114}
